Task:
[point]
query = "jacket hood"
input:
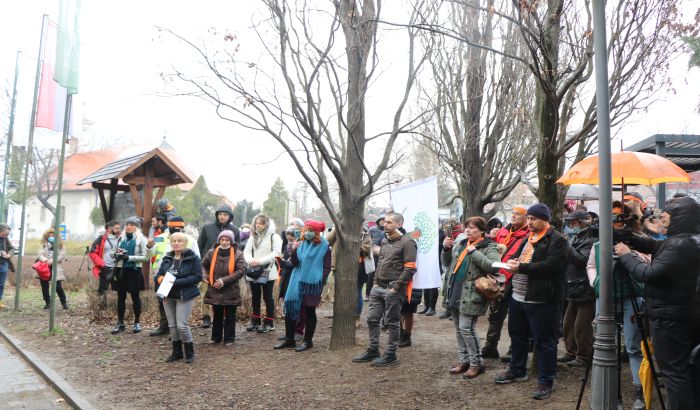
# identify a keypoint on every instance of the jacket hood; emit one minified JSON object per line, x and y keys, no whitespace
{"x":268,"y":233}
{"x":224,"y":208}
{"x":685,"y":216}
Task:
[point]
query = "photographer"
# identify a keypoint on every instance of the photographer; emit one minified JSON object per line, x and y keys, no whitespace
{"x":580,"y":310}
{"x":624,"y":225}
{"x":671,"y":282}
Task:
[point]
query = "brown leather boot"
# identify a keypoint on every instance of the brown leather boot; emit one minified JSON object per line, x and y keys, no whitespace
{"x":473,"y":372}
{"x":459,"y":369}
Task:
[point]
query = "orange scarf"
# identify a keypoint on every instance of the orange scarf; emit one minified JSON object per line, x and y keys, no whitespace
{"x":231,"y":263}
{"x":464,"y":254}
{"x":529,"y":248}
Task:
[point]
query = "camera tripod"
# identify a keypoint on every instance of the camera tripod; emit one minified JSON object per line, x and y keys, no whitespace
{"x":620,"y":281}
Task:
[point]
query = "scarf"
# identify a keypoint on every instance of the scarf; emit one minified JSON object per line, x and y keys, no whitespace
{"x":461,"y":273}
{"x":231,"y":263}
{"x":532,"y":239}
{"x":394,"y":235}
{"x":129,"y":245}
{"x":306,"y":278}
{"x":511,"y":231}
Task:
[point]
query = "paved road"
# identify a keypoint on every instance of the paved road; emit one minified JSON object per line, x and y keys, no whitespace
{"x":21,"y":387}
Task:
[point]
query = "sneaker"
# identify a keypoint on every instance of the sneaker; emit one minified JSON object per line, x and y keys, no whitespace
{"x":639,"y":403}
{"x":252,"y":327}
{"x":137,"y":327}
{"x":508,"y":377}
{"x":385,"y":361}
{"x":366,"y":356}
{"x":64,"y":305}
{"x":445,"y":315}
{"x":566,"y":358}
{"x":159,"y":331}
{"x":265,"y":328}
{"x":206,"y":322}
{"x":542,"y":392}
{"x":577,"y":363}
{"x":118,"y":328}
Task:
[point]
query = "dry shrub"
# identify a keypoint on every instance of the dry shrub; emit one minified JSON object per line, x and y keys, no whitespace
{"x":103,"y":308}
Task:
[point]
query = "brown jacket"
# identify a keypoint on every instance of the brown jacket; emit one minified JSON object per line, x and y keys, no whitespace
{"x":230,"y":293}
{"x":397,"y":261}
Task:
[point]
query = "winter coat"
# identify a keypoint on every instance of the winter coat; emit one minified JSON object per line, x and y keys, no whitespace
{"x":546,"y":270}
{"x":100,"y":252}
{"x":512,"y":240}
{"x":578,"y":289}
{"x":140,"y":253}
{"x":210,"y":232}
{"x":397,"y":261}
{"x":377,"y":234}
{"x":230,"y":293}
{"x":467,"y":299}
{"x":46,"y":255}
{"x":671,"y":280}
{"x":267,"y":250}
{"x":313,"y":300}
{"x":187,"y":278}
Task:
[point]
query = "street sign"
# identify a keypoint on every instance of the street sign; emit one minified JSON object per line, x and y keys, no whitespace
{"x":62,"y":231}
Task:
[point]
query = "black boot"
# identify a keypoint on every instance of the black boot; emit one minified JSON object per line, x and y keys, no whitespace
{"x":159,"y":331}
{"x":177,"y":352}
{"x":489,"y":352}
{"x":286,"y":344}
{"x":206,"y":321}
{"x":430,"y":312}
{"x":64,"y":304}
{"x":189,"y":352}
{"x":366,"y":356}
{"x":425,"y":309}
{"x":444,"y":315}
{"x":389,"y":359}
{"x":405,"y":341}
{"x":305,"y":345}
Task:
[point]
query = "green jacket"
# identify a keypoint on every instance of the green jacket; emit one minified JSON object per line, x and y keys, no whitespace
{"x":479,"y":264}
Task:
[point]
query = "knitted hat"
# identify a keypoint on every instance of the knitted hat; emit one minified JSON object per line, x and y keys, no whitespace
{"x":3,"y":227}
{"x":519,"y":209}
{"x":296,"y":221}
{"x":133,"y":220}
{"x":316,"y":226}
{"x":176,"y":224}
{"x":540,"y":211}
{"x":226,"y":234}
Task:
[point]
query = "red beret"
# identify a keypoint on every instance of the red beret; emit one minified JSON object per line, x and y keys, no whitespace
{"x":316,"y":226}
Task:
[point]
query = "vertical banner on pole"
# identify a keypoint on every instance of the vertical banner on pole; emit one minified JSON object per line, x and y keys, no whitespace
{"x":418,"y":203}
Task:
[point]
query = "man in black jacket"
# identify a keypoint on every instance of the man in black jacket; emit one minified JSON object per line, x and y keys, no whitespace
{"x":207,"y":238}
{"x":580,"y":311}
{"x":538,"y":282}
{"x":671,"y":285}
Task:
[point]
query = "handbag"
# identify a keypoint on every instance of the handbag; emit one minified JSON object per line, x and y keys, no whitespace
{"x":43,"y":270}
{"x":369,"y":264}
{"x":254,"y":273}
{"x":114,"y":274}
{"x":490,"y":287}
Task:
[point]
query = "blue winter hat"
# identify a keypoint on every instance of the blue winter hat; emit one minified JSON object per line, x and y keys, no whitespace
{"x":540,"y":211}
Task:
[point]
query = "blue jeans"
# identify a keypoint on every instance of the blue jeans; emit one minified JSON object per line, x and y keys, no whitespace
{"x":3,"y":277}
{"x":630,"y":333}
{"x":540,"y":319}
{"x":360,"y":299}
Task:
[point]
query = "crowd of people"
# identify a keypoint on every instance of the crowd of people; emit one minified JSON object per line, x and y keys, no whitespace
{"x":547,"y":281}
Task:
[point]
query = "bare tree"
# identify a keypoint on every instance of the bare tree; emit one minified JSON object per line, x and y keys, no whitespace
{"x":482,"y":128}
{"x":43,"y":178}
{"x":644,"y":36}
{"x":311,"y":100}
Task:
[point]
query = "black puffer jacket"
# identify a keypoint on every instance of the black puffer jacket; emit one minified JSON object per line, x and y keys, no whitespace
{"x":578,"y":288}
{"x":209,"y":235}
{"x":188,"y":275}
{"x":545,"y":272}
{"x":671,"y":279}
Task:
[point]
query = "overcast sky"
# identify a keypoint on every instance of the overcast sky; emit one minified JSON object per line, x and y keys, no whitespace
{"x":122,"y":56}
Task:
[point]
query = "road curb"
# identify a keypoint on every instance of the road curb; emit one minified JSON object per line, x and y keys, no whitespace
{"x":72,"y":397}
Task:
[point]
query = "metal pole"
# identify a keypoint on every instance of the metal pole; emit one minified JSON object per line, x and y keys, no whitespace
{"x":604,"y":371}
{"x":661,"y":189}
{"x":57,"y":218}
{"x":30,"y":143}
{"x":10,"y":134}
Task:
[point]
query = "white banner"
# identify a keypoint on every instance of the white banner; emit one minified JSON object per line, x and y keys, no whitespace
{"x":418,"y":203}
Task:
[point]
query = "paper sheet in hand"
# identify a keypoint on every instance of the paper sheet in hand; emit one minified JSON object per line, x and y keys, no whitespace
{"x":500,"y":265}
{"x":166,"y":285}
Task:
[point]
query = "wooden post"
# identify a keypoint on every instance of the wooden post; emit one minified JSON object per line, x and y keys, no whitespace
{"x":147,"y":214}
{"x":112,"y":194}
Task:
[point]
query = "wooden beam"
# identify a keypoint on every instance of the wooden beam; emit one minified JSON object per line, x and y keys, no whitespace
{"x":137,"y":200}
{"x":103,"y":204}
{"x":159,"y":182}
{"x":113,"y":188}
{"x":110,"y":187}
{"x":147,"y":213}
{"x":159,"y":195}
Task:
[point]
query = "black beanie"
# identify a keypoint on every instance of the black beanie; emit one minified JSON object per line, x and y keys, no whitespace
{"x":540,"y":211}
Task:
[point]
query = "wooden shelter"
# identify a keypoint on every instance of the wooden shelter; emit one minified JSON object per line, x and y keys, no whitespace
{"x":140,"y":175}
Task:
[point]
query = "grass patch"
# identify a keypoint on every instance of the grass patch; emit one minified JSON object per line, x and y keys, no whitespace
{"x":73,"y":248}
{"x":57,"y":331}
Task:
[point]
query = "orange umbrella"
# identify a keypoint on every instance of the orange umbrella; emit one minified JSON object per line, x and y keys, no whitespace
{"x":636,"y":168}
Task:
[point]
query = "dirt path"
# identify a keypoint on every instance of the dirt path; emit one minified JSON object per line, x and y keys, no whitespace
{"x":128,"y":371}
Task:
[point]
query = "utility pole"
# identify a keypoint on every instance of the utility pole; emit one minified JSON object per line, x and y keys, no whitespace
{"x":604,"y":372}
{"x":10,"y":135}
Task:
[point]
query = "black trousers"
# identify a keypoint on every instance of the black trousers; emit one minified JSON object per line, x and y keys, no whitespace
{"x":309,"y":330}
{"x":121,"y":305}
{"x":265,"y":290}
{"x":673,"y":342}
{"x":104,"y":283}
{"x":223,"y":323}
{"x":498,"y":310}
{"x":430,"y":297}
{"x":46,"y":291}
